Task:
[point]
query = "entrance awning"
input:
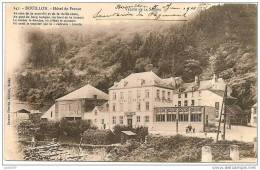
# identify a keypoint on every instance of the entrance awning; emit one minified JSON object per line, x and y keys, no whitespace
{"x":129,"y":113}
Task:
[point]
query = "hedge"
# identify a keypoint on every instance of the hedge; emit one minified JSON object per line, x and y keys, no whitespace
{"x":98,"y":137}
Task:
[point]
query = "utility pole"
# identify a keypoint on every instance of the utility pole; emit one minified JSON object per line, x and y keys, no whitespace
{"x":222,"y":112}
{"x":177,"y":121}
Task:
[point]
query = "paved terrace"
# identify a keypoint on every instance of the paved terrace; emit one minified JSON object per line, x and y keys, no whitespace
{"x":239,"y":133}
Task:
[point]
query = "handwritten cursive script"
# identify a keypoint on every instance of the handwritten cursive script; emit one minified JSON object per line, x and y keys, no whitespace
{"x":160,"y":12}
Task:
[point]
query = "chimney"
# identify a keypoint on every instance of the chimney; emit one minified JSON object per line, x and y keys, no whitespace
{"x":197,"y":80}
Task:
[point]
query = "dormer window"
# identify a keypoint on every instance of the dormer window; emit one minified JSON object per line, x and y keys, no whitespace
{"x":142,"y":82}
{"x":125,"y":83}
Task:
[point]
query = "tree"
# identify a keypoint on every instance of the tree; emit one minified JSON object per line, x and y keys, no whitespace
{"x":192,"y":68}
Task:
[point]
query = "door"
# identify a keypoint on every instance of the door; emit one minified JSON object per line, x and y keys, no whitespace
{"x":129,"y":122}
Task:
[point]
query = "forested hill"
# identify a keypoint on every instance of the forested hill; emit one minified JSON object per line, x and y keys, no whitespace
{"x":221,"y":39}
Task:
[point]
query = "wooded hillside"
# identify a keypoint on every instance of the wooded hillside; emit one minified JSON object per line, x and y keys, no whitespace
{"x":221,"y":39}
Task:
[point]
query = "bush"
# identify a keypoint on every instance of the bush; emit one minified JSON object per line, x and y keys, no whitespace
{"x":48,"y":129}
{"x":74,"y":128}
{"x":63,"y":130}
{"x":141,"y":132}
{"x":97,"y":137}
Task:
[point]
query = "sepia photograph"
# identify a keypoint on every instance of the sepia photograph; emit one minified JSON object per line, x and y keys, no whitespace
{"x":130,"y":82}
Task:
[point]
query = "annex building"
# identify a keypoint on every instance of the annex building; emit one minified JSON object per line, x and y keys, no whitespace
{"x":74,"y":105}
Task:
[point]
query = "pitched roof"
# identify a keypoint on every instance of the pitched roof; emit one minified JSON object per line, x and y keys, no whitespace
{"x":145,"y":79}
{"x":85,"y":92}
{"x":129,"y":133}
{"x":217,"y":87}
{"x":218,"y":92}
{"x":23,"y":111}
{"x":205,"y":85}
{"x":48,"y":112}
{"x":17,"y":105}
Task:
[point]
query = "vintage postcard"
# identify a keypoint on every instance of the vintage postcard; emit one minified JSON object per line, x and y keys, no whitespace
{"x":130,"y":82}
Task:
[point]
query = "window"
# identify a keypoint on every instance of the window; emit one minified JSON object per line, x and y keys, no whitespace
{"x":121,"y":120}
{"x":147,"y":105}
{"x":121,"y":95}
{"x":138,"y":106}
{"x":179,"y":95}
{"x":146,"y":118}
{"x":160,"y":118}
{"x":51,"y":114}
{"x":179,"y":103}
{"x":121,"y":107}
{"x":138,"y":94}
{"x":217,"y":105}
{"x":169,"y":95}
{"x":103,"y":121}
{"x":192,"y":102}
{"x":195,"y":118}
{"x":199,"y":93}
{"x":185,"y":95}
{"x":217,"y":108}
{"x":163,"y":95}
{"x":199,"y":102}
{"x":186,"y":103}
{"x":95,"y":112}
{"x":192,"y":93}
{"x":171,"y":117}
{"x":147,"y":94}
{"x":95,"y":96}
{"x":129,"y":96}
{"x":138,"y":118}
{"x":129,"y":108}
{"x":114,"y":96}
{"x":183,"y":117}
{"x":114,"y":107}
{"x":158,"y":94}
{"x":114,"y":120}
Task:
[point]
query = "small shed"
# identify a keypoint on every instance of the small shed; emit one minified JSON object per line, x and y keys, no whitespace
{"x":126,"y":135}
{"x":21,"y":115}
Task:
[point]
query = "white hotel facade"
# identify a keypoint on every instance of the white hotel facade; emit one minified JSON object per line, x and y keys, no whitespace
{"x":133,"y":99}
{"x":144,"y":99}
